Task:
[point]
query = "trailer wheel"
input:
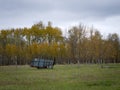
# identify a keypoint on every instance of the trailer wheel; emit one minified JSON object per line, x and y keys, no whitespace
{"x":38,"y":67}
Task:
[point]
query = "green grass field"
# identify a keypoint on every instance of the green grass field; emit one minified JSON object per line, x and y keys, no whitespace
{"x":61,"y":77}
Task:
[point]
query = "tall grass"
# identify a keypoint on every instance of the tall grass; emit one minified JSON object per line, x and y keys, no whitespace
{"x":61,"y":77}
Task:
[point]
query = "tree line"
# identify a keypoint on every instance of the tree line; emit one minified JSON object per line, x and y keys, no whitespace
{"x":80,"y":45}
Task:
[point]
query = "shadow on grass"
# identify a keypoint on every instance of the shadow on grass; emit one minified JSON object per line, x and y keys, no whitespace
{"x":101,"y":83}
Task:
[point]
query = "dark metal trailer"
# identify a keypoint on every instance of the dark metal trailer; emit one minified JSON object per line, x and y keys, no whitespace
{"x":42,"y":63}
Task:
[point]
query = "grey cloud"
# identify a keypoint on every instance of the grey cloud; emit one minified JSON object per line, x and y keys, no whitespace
{"x":86,"y":8}
{"x":24,"y":6}
{"x":90,"y":8}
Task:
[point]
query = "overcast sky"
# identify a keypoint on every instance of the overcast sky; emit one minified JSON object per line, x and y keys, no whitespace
{"x":101,"y":14}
